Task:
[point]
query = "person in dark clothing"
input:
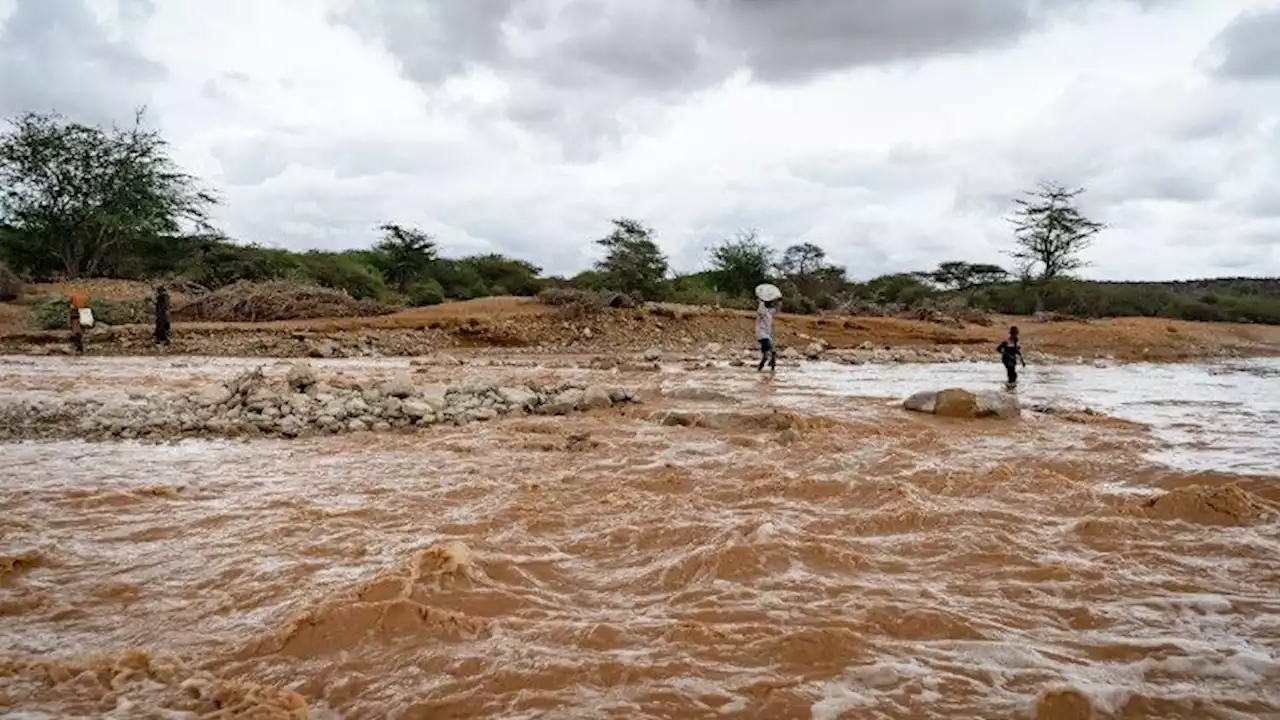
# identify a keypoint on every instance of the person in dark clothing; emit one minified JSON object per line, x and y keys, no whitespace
{"x":1011,"y":354}
{"x":162,"y":315}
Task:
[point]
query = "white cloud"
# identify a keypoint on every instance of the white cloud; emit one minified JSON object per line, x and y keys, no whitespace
{"x":502,"y":126}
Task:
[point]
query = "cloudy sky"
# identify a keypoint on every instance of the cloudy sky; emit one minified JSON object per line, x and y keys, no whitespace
{"x":891,"y":132}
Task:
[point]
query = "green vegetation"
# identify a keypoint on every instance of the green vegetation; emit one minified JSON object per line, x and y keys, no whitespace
{"x":78,"y":201}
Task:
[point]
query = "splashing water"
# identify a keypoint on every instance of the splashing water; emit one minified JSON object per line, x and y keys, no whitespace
{"x":839,"y":558}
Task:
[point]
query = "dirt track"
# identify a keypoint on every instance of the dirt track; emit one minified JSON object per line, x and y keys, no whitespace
{"x":525,"y":323}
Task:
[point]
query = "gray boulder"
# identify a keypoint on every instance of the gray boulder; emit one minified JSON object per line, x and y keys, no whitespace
{"x":959,"y":403}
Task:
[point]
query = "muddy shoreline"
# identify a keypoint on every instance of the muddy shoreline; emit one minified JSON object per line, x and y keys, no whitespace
{"x":135,"y":341}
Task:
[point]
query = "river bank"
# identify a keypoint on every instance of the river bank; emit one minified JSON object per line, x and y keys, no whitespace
{"x":525,"y":326}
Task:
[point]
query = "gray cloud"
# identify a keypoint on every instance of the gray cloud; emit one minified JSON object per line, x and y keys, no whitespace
{"x":57,"y":56}
{"x":576,"y":70}
{"x":1183,"y":170}
{"x":1249,"y":47}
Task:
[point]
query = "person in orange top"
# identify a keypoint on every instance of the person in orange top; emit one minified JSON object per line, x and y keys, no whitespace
{"x":76,"y":303}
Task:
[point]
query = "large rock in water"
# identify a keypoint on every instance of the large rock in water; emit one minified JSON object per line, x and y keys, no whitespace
{"x":957,"y":403}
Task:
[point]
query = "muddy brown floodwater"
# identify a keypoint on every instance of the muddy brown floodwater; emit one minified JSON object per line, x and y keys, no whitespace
{"x":800,"y":553}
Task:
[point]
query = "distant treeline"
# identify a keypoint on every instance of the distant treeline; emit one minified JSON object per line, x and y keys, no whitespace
{"x":404,"y":269}
{"x":79,"y":201}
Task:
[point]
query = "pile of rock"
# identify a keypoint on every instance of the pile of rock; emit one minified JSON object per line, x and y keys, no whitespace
{"x":299,"y":405}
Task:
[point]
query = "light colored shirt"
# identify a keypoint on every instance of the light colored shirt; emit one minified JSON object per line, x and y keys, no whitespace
{"x":764,"y":322}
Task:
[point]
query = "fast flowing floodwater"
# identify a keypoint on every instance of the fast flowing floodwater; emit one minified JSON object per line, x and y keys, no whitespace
{"x":861,"y":563}
{"x":1222,"y":417}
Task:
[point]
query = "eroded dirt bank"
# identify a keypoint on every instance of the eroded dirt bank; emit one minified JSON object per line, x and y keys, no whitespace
{"x":513,"y":323}
{"x":782,"y":553}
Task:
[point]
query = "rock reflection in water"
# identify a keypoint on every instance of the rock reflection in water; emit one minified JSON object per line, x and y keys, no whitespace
{"x":861,"y":564}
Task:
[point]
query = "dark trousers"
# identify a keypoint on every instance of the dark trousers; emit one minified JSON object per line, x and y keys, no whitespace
{"x":767,"y":355}
{"x":77,"y":331}
{"x":162,"y":331}
{"x":1011,"y":367}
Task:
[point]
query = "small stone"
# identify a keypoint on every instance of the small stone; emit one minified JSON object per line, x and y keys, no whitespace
{"x":301,"y":376}
{"x":416,"y":409}
{"x":401,"y":386}
{"x":212,"y":396}
{"x":595,"y":398}
{"x":653,"y":354}
{"x":520,"y":397}
{"x":392,"y":406}
{"x":563,"y":403}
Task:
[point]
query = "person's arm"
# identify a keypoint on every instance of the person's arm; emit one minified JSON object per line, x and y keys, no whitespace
{"x":1020,"y":357}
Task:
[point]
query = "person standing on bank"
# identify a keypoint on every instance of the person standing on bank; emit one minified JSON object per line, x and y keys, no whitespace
{"x":1011,"y":354}
{"x":75,"y":304}
{"x":162,"y":315}
{"x":764,"y":334}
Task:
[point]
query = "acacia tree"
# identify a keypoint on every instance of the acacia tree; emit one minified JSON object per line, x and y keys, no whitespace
{"x":802,"y":261}
{"x":633,"y":264}
{"x":958,"y":275}
{"x":404,"y":255}
{"x":739,"y":264}
{"x":809,"y":275}
{"x":1050,"y":232}
{"x":76,"y":198}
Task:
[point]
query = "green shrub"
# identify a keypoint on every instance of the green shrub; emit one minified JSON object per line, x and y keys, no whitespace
{"x":801,"y":304}
{"x":53,"y":313}
{"x":459,"y":279}
{"x":427,"y":292}
{"x":343,"y":271}
{"x":50,"y":313}
{"x":219,"y":263}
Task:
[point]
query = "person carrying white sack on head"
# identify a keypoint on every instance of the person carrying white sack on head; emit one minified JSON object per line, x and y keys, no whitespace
{"x":765,"y":312}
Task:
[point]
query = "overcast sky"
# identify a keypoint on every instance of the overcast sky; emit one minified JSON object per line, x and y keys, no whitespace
{"x":893,"y":133}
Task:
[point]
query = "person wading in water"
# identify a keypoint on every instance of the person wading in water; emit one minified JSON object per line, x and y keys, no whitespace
{"x":1011,"y":354}
{"x":75,"y":304}
{"x":764,"y":334}
{"x":162,"y":315}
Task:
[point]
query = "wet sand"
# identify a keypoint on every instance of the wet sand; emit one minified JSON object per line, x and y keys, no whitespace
{"x":817,"y":552}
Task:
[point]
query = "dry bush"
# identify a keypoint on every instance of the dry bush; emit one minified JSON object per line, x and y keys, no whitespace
{"x":10,"y":284}
{"x":279,"y":300}
{"x":574,"y":304}
{"x":557,"y":297}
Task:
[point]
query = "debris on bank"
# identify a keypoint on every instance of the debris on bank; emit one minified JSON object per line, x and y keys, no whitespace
{"x":277,"y":300}
{"x":299,"y":405}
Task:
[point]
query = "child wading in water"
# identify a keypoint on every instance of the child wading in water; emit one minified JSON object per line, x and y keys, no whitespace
{"x":1011,"y":355}
{"x":764,"y":334}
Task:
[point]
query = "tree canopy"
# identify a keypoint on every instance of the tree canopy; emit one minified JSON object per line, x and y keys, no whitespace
{"x":739,"y":264}
{"x":1050,"y":232}
{"x":74,"y":197}
{"x":633,"y":264}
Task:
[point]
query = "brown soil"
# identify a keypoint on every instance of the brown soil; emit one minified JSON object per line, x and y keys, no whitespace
{"x":523,"y":322}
